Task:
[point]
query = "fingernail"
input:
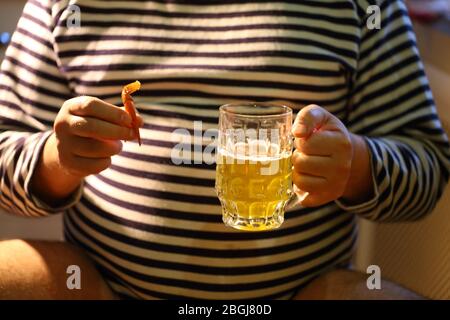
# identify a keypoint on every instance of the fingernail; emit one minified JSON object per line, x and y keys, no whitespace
{"x":301,"y":131}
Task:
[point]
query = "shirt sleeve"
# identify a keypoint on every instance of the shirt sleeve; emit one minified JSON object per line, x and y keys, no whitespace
{"x":391,"y":105}
{"x":32,"y":89}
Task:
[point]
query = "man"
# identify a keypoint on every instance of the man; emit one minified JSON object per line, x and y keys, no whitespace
{"x":152,"y":229}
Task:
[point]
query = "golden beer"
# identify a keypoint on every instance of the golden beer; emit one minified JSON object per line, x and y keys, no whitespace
{"x":253,"y":190}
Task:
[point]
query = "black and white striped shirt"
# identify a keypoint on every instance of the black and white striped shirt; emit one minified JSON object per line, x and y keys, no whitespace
{"x":154,"y":228}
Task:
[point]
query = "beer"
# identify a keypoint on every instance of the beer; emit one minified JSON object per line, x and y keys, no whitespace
{"x":253,"y":189}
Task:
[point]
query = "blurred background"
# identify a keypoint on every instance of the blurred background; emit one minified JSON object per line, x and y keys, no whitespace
{"x":416,"y":255}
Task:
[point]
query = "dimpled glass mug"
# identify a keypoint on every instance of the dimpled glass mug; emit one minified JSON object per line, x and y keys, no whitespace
{"x":254,"y":169}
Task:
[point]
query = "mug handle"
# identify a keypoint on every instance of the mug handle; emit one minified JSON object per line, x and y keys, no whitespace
{"x":297,"y":197}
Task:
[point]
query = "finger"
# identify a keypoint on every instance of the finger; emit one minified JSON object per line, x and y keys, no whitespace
{"x":309,"y":183}
{"x":92,"y":148}
{"x":98,"y":129}
{"x":308,"y":119}
{"x":139,"y":118}
{"x":315,"y":200}
{"x":99,"y":109}
{"x":312,"y":165}
{"x":323,"y":143}
{"x":86,"y":166}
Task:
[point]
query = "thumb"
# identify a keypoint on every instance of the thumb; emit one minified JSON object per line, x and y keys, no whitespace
{"x":308,"y":120}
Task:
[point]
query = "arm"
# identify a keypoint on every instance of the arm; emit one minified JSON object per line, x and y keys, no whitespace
{"x":42,"y":173}
{"x":31,"y":91}
{"x":50,"y":181}
{"x":393,"y":110}
{"x":390,"y":161}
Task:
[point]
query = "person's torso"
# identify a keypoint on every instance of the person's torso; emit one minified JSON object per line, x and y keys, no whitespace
{"x":154,"y":226}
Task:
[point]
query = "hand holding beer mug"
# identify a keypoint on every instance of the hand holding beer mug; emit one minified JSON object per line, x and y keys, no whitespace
{"x":254,"y":169}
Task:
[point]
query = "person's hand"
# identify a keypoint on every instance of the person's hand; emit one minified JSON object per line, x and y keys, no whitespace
{"x":323,"y":156}
{"x":87,"y":132}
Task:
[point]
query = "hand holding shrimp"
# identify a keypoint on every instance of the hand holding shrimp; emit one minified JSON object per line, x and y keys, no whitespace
{"x":87,"y":132}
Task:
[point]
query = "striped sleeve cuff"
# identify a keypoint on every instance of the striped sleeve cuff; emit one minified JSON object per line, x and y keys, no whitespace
{"x":34,"y":203}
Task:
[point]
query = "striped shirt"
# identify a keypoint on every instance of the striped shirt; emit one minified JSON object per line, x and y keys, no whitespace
{"x":154,"y":228}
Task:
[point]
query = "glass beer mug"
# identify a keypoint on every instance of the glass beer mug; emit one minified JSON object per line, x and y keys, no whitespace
{"x":254,"y":169}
